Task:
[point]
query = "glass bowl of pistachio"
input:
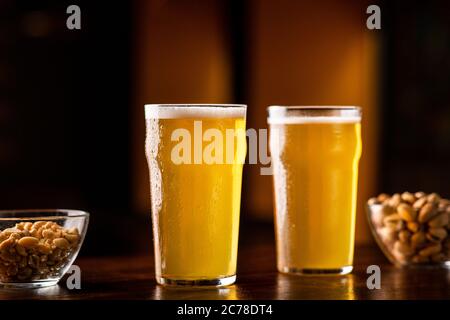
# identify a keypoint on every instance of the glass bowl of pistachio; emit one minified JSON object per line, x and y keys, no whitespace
{"x":412,"y":229}
{"x":37,"y":247}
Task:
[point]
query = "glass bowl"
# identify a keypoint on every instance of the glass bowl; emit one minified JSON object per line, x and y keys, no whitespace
{"x":37,"y":247}
{"x":405,"y":233}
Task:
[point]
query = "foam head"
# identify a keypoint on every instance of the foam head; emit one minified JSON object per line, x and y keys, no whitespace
{"x":322,"y":114}
{"x":154,"y":111}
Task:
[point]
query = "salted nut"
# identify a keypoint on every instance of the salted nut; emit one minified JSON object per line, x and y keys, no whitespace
{"x":34,"y":251}
{"x":415,"y":227}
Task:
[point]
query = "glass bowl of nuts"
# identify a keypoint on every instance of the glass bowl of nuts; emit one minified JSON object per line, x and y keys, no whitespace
{"x":37,"y":247}
{"x":412,"y":229}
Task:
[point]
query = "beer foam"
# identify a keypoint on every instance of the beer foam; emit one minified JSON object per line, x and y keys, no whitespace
{"x":154,"y":111}
{"x":313,"y":114}
{"x":306,"y":119}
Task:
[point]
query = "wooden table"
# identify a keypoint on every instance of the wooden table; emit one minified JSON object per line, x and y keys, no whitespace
{"x":132,"y":278}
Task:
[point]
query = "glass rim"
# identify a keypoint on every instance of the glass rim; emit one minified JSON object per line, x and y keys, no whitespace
{"x":313,"y":114}
{"x":40,"y":214}
{"x":193,"y":105}
{"x":311,"y":107}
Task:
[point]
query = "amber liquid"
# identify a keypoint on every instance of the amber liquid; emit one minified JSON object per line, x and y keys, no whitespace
{"x":195,"y":207}
{"x":315,"y":184}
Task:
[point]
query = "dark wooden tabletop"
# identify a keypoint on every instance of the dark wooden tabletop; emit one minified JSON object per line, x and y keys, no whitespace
{"x":132,"y":278}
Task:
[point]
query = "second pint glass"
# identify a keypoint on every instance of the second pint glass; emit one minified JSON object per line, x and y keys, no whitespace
{"x":315,"y":153}
{"x":195,"y":155}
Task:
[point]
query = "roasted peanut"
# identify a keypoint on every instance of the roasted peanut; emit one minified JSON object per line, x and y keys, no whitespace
{"x":408,"y":197}
{"x":418,"y":239}
{"x":3,"y":237}
{"x":72,"y":238}
{"x":48,"y":234}
{"x":44,"y":248}
{"x":6,"y":244}
{"x":16,"y":236}
{"x":406,"y":212}
{"x":36,"y":232}
{"x":7,"y":256}
{"x":39,"y":224}
{"x":33,"y":261}
{"x":403,"y":248}
{"x":440,"y":220}
{"x":420,"y":259}
{"x":20,"y":225}
{"x":447,"y":243}
{"x":8,"y":231}
{"x":73,"y":230}
{"x":392,"y":218}
{"x":382,"y":197}
{"x":21,"y":250}
{"x":28,"y":242}
{"x":48,"y":225}
{"x":432,"y":238}
{"x":23,"y":262}
{"x":12,"y":270}
{"x":404,"y":236}
{"x":420,"y":203}
{"x":438,"y":257}
{"x":419,"y":194}
{"x":61,"y":243}
{"x":27,"y":225}
{"x":413,"y":226}
{"x":395,"y":200}
{"x":430,"y":250}
{"x":24,"y":273}
{"x":438,"y":233}
{"x":427,"y":212}
{"x":433,"y":198}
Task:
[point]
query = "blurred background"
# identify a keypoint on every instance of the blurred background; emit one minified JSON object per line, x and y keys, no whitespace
{"x":71,"y":101}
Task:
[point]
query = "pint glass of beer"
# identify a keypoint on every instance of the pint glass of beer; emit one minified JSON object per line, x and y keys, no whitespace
{"x":195,"y":155}
{"x":315,"y":153}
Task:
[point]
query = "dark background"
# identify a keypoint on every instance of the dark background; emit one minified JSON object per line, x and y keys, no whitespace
{"x":416,"y":97}
{"x":66,"y":107}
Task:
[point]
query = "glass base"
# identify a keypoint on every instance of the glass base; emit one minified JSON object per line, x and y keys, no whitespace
{"x":29,"y":285}
{"x":315,"y":272}
{"x":220,"y":282}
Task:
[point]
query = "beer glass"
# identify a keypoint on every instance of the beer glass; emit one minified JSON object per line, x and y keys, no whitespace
{"x":315,"y":153}
{"x":195,"y":155}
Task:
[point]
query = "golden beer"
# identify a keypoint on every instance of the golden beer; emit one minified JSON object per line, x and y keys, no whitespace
{"x":195,"y":191}
{"x":315,"y":153}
